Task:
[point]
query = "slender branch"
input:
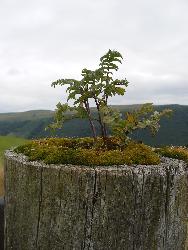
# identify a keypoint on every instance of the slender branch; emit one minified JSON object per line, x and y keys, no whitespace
{"x":86,"y":103}
{"x":100,"y":120}
{"x":106,"y":101}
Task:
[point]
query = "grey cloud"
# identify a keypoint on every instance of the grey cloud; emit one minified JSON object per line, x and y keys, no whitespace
{"x":13,"y":72}
{"x":45,"y":40}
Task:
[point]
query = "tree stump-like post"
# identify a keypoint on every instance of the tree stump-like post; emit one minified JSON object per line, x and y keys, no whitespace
{"x":77,"y":207}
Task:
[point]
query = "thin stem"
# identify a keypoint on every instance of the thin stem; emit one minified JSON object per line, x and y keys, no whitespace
{"x":90,"y":120}
{"x":106,"y":100}
{"x":103,"y":132}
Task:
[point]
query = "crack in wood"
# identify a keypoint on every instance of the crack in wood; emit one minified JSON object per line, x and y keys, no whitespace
{"x":39,"y":208}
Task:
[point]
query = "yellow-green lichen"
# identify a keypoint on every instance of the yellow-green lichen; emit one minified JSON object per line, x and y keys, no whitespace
{"x":180,"y":153}
{"x":84,"y":151}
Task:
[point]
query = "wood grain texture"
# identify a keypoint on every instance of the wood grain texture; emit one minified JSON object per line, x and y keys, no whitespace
{"x":76,"y":207}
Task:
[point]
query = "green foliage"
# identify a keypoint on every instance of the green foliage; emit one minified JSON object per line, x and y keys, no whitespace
{"x":180,"y":153}
{"x":60,"y":116}
{"x":99,"y":85}
{"x":84,"y":151}
{"x":142,"y":118}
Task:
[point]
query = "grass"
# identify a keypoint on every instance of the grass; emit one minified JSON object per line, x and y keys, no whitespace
{"x":7,"y":142}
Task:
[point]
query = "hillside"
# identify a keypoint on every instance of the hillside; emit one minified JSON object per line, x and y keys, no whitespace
{"x":31,"y":124}
{"x":7,"y":142}
{"x":30,"y":115}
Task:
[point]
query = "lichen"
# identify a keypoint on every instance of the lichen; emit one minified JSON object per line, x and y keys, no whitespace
{"x":180,"y":153}
{"x":84,"y":151}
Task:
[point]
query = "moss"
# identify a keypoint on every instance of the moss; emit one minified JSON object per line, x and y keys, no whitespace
{"x":84,"y":151}
{"x":180,"y":153}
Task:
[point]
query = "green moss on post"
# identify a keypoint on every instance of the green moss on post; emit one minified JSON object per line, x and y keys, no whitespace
{"x":86,"y":151}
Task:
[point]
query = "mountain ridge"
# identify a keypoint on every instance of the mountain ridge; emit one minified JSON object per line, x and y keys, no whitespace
{"x":31,"y":124}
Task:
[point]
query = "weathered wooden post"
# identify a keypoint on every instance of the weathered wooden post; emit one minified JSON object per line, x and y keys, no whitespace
{"x":76,"y":207}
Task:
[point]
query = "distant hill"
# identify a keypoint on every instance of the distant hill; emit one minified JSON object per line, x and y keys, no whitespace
{"x":27,"y":115}
{"x":31,"y":124}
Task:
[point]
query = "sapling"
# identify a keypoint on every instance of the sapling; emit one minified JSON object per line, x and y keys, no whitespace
{"x":99,"y":85}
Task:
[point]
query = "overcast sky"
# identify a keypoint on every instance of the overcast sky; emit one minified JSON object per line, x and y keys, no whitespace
{"x":44,"y":40}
